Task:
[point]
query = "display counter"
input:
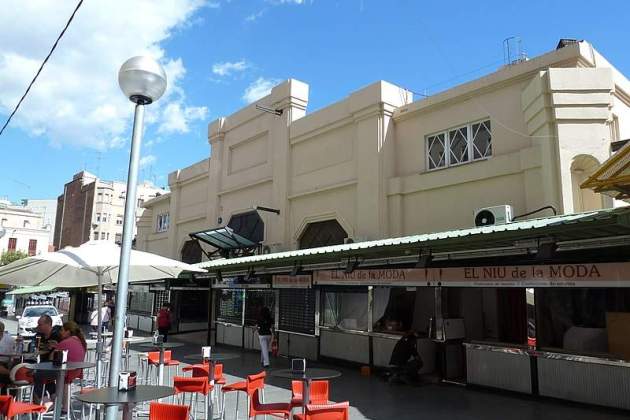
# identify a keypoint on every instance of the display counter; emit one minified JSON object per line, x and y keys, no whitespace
{"x":587,"y":379}
{"x":499,"y":366}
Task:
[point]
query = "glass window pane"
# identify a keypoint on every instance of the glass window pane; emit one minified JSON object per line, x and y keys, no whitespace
{"x":255,"y":301}
{"x":436,"y":151}
{"x":458,"y":145}
{"x":482,"y":140}
{"x":345,"y":310}
{"x":230,"y":306}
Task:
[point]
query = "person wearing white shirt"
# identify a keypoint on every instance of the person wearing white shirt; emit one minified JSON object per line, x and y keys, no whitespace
{"x":7,"y":345}
{"x":105,"y":316}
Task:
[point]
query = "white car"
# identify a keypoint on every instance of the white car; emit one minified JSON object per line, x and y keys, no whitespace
{"x":27,"y":323}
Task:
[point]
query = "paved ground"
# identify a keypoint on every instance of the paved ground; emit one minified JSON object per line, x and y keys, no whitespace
{"x":372,"y":398}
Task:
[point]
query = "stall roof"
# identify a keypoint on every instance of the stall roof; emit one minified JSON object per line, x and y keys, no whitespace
{"x":613,"y":176}
{"x":223,"y":238}
{"x":31,"y":290}
{"x":588,"y":225}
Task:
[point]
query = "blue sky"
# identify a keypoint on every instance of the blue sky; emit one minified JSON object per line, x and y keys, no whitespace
{"x":219,"y":54}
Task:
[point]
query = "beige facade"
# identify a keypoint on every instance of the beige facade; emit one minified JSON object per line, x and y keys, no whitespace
{"x":364,"y":162}
{"x":22,"y":229}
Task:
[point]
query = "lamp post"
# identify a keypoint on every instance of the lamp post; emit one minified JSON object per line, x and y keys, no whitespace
{"x":143,"y":81}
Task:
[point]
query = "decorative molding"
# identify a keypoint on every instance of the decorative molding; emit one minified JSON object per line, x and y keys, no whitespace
{"x":340,"y":185}
{"x":246,"y":186}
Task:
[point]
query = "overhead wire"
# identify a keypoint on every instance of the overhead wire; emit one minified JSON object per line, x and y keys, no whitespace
{"x":41,"y":67}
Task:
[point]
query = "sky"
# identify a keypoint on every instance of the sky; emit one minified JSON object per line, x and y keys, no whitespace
{"x":220,"y":55}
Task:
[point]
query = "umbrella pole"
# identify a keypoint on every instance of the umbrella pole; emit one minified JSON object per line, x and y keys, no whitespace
{"x":99,"y":344}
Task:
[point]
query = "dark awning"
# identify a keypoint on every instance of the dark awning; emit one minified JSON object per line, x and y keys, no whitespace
{"x":223,"y":238}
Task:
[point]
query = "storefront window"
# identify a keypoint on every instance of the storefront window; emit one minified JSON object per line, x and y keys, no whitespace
{"x":345,"y":308}
{"x":584,"y":321}
{"x":140,"y":302}
{"x":230,"y":306}
{"x":193,"y":305}
{"x":297,"y":310}
{"x":393,"y":309}
{"x":255,"y":301}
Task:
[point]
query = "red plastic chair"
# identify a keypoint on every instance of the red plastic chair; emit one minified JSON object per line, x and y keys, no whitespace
{"x":318,"y":393}
{"x":193,"y":386}
{"x":252,"y":383}
{"x":159,"y":411}
{"x":338,"y":411}
{"x":153,"y":359}
{"x":11,"y":408}
{"x":257,"y":408}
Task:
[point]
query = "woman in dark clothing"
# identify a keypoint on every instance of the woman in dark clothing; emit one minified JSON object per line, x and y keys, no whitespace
{"x":265,"y":332}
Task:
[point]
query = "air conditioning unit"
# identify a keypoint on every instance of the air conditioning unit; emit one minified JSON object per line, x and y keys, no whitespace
{"x":497,"y":215}
{"x":270,"y":249}
{"x":348,"y":240}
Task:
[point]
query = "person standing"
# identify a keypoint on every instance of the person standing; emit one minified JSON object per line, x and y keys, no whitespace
{"x":105,"y":316}
{"x":94,"y":320}
{"x":164,"y":320}
{"x":265,"y":332}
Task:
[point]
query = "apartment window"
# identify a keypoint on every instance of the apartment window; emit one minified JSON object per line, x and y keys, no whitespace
{"x":32,"y":247}
{"x":12,"y":244}
{"x":26,"y":224}
{"x":119,"y":219}
{"x":104,"y":217}
{"x":118,"y":238}
{"x":96,"y":236}
{"x":459,"y":145}
{"x":98,"y":217}
{"x":108,"y":236}
{"x":102,"y":235}
{"x":3,"y":221}
{"x":140,"y":202}
{"x":163,"y":222}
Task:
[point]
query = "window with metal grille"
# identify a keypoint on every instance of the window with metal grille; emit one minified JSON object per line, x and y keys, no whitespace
{"x":229,"y":306}
{"x":12,"y":244}
{"x":328,"y":232}
{"x":297,"y":310}
{"x":140,"y":302}
{"x":161,"y":297}
{"x":249,"y":225}
{"x":459,"y":145}
{"x":255,"y":301}
{"x":32,"y":247}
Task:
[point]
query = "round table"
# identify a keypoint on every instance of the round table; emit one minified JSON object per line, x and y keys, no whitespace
{"x":160,"y":347}
{"x":21,"y":356}
{"x":60,"y":383}
{"x":309,"y":375}
{"x":214,"y":357}
{"x":112,"y":396}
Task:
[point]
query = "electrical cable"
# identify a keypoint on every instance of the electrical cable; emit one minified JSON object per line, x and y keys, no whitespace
{"x":41,"y":67}
{"x":555,"y":212}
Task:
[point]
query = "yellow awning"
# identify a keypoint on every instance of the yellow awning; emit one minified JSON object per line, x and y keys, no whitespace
{"x":613,"y":176}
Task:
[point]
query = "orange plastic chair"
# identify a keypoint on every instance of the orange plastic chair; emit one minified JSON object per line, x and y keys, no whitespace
{"x":338,"y":411}
{"x":154,"y":358}
{"x":252,"y":383}
{"x":318,"y":393}
{"x":193,"y":386}
{"x":199,"y":370}
{"x":11,"y":408}
{"x":257,"y":408}
{"x":159,"y":411}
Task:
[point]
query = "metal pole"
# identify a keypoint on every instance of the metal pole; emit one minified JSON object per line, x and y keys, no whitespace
{"x":125,"y":253}
{"x":99,"y":318}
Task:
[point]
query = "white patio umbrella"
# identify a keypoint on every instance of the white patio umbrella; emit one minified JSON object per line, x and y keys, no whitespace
{"x":94,"y":263}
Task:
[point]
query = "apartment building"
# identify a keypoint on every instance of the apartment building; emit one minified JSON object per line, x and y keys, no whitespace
{"x":22,"y":229}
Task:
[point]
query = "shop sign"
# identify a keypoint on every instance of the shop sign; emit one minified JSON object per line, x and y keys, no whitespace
{"x":302,"y":281}
{"x":549,"y":275}
{"x":378,"y":277}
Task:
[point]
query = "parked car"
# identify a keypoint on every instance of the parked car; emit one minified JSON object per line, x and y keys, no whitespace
{"x":27,"y":322}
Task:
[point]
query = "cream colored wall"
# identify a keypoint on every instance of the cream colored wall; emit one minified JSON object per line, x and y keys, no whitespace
{"x":362,"y":160}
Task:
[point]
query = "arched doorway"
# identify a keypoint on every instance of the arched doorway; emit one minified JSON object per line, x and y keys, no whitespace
{"x":328,"y":232}
{"x":582,"y":167}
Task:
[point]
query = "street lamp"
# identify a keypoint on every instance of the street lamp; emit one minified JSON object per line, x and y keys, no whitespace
{"x":143,"y":81}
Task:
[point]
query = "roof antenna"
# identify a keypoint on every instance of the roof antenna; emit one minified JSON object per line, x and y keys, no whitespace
{"x":513,"y":51}
{"x":269,"y":110}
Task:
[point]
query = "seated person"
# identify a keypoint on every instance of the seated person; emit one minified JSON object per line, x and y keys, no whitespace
{"x":47,"y":335}
{"x":72,"y":339}
{"x":48,"y":338}
{"x":7,"y":345}
{"x":405,"y":359}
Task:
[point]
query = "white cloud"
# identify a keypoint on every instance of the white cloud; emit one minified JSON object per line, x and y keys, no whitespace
{"x":277,"y":2}
{"x":254,"y":16}
{"x":228,"y":68}
{"x":177,"y":117}
{"x":259,"y":88}
{"x":147,"y":160}
{"x":76,"y":99}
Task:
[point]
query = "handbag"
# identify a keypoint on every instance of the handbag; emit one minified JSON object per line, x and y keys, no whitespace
{"x":274,"y":346}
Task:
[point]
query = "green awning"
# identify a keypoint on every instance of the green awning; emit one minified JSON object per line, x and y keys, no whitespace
{"x":580,"y":226}
{"x":31,"y":290}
